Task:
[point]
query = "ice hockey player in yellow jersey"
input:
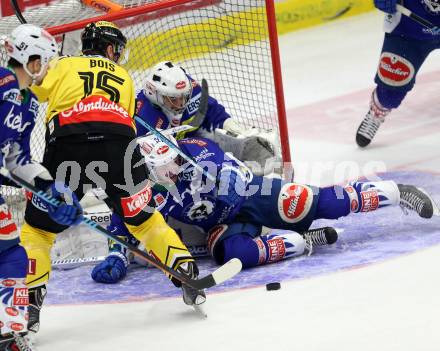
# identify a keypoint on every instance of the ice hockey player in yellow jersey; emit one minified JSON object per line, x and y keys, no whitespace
{"x":89,"y":143}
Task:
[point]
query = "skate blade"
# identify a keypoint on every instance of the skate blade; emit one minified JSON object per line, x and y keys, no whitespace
{"x":200,"y":310}
{"x":436,"y":209}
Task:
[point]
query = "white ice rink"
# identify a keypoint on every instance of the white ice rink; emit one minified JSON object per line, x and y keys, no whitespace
{"x":389,"y":306}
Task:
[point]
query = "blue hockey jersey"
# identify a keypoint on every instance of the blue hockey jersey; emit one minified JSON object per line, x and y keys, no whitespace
{"x":154,"y":116}
{"x":18,"y":110}
{"x":402,"y":25}
{"x":190,"y":204}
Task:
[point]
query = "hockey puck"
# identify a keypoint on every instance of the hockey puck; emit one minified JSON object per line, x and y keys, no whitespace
{"x":273,"y":286}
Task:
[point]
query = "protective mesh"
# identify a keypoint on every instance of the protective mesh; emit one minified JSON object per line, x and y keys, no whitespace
{"x":225,"y":42}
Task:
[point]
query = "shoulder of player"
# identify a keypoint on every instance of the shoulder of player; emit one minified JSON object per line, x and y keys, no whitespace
{"x":8,"y":80}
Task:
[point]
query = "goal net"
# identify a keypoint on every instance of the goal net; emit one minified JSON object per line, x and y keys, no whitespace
{"x":230,"y":43}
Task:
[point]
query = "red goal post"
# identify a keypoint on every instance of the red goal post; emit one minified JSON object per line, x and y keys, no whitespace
{"x":231,"y":43}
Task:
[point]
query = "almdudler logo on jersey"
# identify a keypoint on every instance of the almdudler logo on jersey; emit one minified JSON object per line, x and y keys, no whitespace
{"x":134,"y":204}
{"x":395,"y":70}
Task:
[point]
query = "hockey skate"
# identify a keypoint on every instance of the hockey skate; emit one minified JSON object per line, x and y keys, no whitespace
{"x":415,"y":200}
{"x":319,"y":237}
{"x":15,"y":342}
{"x":36,"y":298}
{"x":368,"y":128}
{"x":191,"y":296}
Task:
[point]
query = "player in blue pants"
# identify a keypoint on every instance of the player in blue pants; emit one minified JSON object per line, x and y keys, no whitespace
{"x":233,"y":210}
{"x":406,"y":46}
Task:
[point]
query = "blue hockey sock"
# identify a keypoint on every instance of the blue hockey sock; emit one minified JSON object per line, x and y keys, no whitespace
{"x":337,"y":201}
{"x":277,"y":245}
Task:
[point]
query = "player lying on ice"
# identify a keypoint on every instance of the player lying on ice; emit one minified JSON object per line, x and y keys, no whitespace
{"x":233,"y":210}
{"x":171,"y":98}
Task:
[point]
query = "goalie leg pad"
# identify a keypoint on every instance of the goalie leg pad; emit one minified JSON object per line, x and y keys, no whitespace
{"x":38,"y":244}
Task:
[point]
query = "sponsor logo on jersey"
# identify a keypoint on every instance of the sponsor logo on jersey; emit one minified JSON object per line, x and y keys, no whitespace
{"x":13,"y":95}
{"x":369,"y":200}
{"x":294,"y":202}
{"x":95,"y":109}
{"x":11,"y":311}
{"x":193,"y":104}
{"x":277,"y":249}
{"x":32,"y":266}
{"x":33,"y":106}
{"x":15,"y":326}
{"x":21,"y":297}
{"x":194,"y":141}
{"x":15,"y":122}
{"x":187,"y":175}
{"x":133,"y":205}
{"x":159,"y":199}
{"x":181,"y":85}
{"x":395,"y":70}
{"x":8,"y":282}
{"x":7,"y":79}
{"x":204,"y":154}
{"x":214,"y":235}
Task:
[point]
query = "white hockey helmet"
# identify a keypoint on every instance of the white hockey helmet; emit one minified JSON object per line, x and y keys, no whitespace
{"x":432,"y":5}
{"x":169,"y":87}
{"x":28,"y":40}
{"x":162,"y":161}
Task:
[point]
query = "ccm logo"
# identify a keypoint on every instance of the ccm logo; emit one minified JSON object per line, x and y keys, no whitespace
{"x":133,"y":205}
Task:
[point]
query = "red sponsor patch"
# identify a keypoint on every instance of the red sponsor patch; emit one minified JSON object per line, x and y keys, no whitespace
{"x":370,"y":200}
{"x":277,"y":249}
{"x":15,"y":326}
{"x":159,"y":199}
{"x":395,"y":70}
{"x":198,"y":142}
{"x":7,"y":79}
{"x":133,"y":205}
{"x":21,"y":297}
{"x":95,"y":109}
{"x":294,"y":202}
{"x":8,"y":282}
{"x":181,"y":85}
{"x":11,"y":311}
{"x":162,"y":150}
{"x":32,"y":266}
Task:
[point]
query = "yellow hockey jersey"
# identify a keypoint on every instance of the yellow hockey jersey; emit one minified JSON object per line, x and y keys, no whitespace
{"x":87,"y":94}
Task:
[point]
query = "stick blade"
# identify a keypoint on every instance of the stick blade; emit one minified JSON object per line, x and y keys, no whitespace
{"x":221,"y":274}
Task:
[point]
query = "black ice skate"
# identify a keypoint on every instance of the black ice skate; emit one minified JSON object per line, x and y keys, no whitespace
{"x":368,"y":128}
{"x":319,"y":237}
{"x":36,"y":298}
{"x":191,"y":296}
{"x":416,"y":200}
{"x":21,"y":343}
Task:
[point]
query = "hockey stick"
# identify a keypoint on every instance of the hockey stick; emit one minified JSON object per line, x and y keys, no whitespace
{"x":224,"y":272}
{"x":198,"y":118}
{"x":420,"y":20}
{"x":18,"y":12}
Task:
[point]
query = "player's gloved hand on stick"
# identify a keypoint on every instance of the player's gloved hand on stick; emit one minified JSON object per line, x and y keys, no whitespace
{"x":388,"y":6}
{"x":111,"y":270}
{"x":231,"y":187}
{"x":70,"y":210}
